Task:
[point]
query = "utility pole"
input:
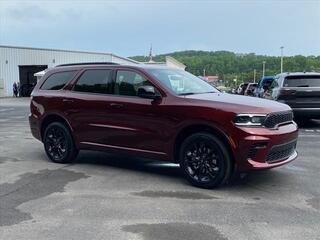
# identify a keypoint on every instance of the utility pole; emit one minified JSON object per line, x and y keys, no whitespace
{"x":254,"y":75}
{"x":204,"y":72}
{"x":150,"y":54}
{"x":263,"y":68}
{"x":281,"y":58}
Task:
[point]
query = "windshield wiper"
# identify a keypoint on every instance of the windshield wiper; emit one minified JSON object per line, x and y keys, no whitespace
{"x":208,"y":92}
{"x":186,"y":93}
{"x":302,"y":86}
{"x":191,"y":93}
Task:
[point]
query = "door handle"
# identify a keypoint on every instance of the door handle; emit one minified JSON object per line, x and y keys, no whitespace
{"x":116,"y":105}
{"x":67,"y":100}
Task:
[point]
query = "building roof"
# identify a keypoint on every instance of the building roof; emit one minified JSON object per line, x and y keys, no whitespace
{"x":70,"y":51}
{"x":175,"y":62}
{"x":210,"y":78}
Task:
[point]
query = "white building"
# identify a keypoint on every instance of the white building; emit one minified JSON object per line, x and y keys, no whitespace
{"x":19,"y":64}
{"x":170,"y":62}
{"x":25,"y":64}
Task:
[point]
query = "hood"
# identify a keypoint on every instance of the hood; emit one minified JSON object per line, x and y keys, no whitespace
{"x":238,"y":103}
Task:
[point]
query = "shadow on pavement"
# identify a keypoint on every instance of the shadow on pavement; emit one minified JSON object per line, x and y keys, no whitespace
{"x":308,"y":123}
{"x":263,"y":178}
{"x":129,"y":163}
{"x":166,"y":169}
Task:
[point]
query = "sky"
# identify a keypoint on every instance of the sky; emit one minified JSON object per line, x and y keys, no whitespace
{"x":128,"y":28}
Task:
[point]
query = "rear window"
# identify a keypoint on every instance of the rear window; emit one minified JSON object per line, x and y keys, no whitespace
{"x":57,"y":80}
{"x":95,"y":81}
{"x":302,"y":81}
{"x":253,"y":86}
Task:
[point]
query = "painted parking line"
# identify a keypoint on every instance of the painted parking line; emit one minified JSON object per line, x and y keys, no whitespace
{"x":6,"y":109}
{"x":310,"y":130}
{"x":18,"y":117}
{"x":309,"y":135}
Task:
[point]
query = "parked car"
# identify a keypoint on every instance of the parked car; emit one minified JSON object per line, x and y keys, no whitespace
{"x":242,"y":88}
{"x":300,"y":90}
{"x":263,"y":86}
{"x":250,"y":89}
{"x":142,"y":110}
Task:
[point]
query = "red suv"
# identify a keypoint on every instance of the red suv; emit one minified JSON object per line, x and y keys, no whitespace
{"x":162,"y":113}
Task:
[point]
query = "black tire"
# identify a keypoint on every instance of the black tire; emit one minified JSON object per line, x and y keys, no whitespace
{"x":58,"y":143}
{"x":205,"y":161}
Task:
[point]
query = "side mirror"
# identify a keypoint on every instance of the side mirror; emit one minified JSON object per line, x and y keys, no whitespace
{"x":148,"y":92}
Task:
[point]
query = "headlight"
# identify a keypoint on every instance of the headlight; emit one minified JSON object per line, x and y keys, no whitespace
{"x":249,"y":119}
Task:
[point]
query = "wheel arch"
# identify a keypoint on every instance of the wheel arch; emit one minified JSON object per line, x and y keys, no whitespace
{"x":196,"y":128}
{"x":50,"y":118}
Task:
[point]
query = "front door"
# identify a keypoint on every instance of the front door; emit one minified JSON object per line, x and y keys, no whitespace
{"x":135,"y":123}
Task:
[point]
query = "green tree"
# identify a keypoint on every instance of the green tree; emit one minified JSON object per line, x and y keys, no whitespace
{"x":228,"y":65}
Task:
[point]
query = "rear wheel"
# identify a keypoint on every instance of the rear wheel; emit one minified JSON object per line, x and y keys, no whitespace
{"x":205,"y":161}
{"x":58,"y":143}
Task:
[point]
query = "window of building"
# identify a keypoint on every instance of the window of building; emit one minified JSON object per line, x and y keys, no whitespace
{"x":95,"y":81}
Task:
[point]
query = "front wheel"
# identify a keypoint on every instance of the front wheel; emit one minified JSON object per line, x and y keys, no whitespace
{"x":205,"y":161}
{"x":58,"y":143}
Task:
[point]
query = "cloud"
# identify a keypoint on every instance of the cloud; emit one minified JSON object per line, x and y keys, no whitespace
{"x":29,"y":13}
{"x":128,"y":27}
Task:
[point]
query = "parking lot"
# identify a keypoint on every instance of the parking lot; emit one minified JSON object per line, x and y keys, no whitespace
{"x":103,"y":196}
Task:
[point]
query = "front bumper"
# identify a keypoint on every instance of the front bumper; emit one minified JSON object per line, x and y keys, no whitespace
{"x":261,"y":148}
{"x":255,"y":165}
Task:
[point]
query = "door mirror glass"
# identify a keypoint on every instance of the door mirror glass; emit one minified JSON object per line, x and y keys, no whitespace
{"x":148,"y":92}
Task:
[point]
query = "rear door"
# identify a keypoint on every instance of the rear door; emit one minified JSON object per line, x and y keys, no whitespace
{"x":87,"y":105}
{"x":301,"y":91}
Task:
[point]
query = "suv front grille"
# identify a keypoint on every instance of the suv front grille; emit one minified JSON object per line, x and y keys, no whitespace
{"x":274,"y":119}
{"x":282,"y":151}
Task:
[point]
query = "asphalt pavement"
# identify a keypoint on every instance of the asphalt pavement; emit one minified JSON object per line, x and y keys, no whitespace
{"x":102,"y":196}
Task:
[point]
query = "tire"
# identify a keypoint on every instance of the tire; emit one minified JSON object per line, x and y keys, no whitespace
{"x":58,"y":143}
{"x":205,"y":161}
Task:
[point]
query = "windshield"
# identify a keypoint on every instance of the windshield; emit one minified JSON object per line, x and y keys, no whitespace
{"x":265,"y":81}
{"x":181,"y":82}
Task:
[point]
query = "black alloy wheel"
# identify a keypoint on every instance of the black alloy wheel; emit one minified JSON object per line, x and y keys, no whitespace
{"x":58,"y":143}
{"x":205,"y":160}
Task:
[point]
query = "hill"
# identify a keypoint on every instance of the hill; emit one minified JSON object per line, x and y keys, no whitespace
{"x":230,"y":65}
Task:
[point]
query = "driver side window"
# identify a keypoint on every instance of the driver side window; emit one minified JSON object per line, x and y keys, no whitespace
{"x":274,"y":84}
{"x":128,"y":82}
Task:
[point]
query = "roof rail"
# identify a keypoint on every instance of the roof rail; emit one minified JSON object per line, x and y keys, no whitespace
{"x":88,"y":63}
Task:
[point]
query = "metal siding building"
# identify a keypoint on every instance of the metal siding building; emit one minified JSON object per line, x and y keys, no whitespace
{"x":18,"y":64}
